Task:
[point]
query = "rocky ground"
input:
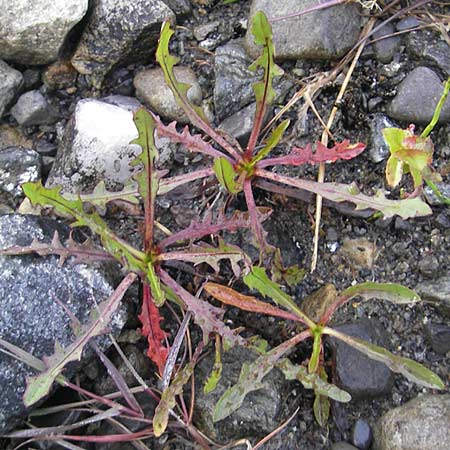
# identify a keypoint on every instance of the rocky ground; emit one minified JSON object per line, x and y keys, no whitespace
{"x":65,"y":108}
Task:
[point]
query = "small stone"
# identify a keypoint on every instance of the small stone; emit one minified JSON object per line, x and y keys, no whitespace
{"x":443,"y":220}
{"x":31,"y":79}
{"x":402,"y":224}
{"x":179,"y":7}
{"x":428,"y":265}
{"x":13,"y":137}
{"x":317,"y":303}
{"x":438,"y":336}
{"x":436,"y":292}
{"x":153,"y":91}
{"x":202,"y":31}
{"x":129,"y":31}
{"x":422,"y":423}
{"x":60,"y":75}
{"x":11,"y":81}
{"x":407,"y":23}
{"x":240,"y":124}
{"x":378,"y":148}
{"x":432,"y":198}
{"x":417,"y":97}
{"x":360,"y":253}
{"x":385,"y":48}
{"x":357,"y":374}
{"x":32,"y":109}
{"x":342,"y":446}
{"x":362,"y":435}
{"x":325,"y":34}
{"x":17,"y":166}
{"x":34,"y":33}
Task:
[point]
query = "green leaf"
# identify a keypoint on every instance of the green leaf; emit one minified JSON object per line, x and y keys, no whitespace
{"x":126,"y":254}
{"x":437,"y":111}
{"x":410,"y":369}
{"x":39,"y":386}
{"x":395,"y":293}
{"x":258,"y":279}
{"x":315,"y":356}
{"x":216,"y":372}
{"x":226,"y":175}
{"x":272,"y":141}
{"x":394,"y":171}
{"x":155,"y":286}
{"x":321,"y":405}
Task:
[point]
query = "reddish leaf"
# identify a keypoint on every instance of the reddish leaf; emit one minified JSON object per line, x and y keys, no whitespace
{"x":299,"y":156}
{"x":151,"y":329}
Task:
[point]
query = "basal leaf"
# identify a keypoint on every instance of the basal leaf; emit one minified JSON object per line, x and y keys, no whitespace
{"x":155,"y":285}
{"x":118,"y":248}
{"x":216,"y":372}
{"x":394,"y":171}
{"x":226,"y":175}
{"x":258,"y":279}
{"x":39,"y":386}
{"x":410,"y":207}
{"x":321,"y":405}
{"x":410,"y":369}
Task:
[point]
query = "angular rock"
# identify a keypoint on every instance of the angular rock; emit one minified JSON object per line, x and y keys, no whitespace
{"x":422,"y":423}
{"x":11,"y":81}
{"x":257,"y":415}
{"x":95,"y":146}
{"x":59,"y":75}
{"x":18,"y":165}
{"x":153,"y":91}
{"x":417,"y":97}
{"x":119,"y":32}
{"x":233,"y":86}
{"x":240,"y":124}
{"x":34,"y":32}
{"x":325,"y":34}
{"x":32,"y":109}
{"x":438,"y":335}
{"x":385,"y":48}
{"x":378,"y":149}
{"x":428,"y":46}
{"x":357,"y":374}
{"x":12,"y":137}
{"x":179,"y":7}
{"x":436,"y":292}
{"x":30,"y":315}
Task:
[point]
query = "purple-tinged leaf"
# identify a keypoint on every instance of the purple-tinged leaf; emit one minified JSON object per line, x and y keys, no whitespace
{"x":206,"y":316}
{"x":39,"y":386}
{"x":337,"y":192}
{"x":170,"y":183}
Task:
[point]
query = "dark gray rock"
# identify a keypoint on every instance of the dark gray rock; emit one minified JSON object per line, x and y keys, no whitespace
{"x":362,"y":435}
{"x":432,"y":198}
{"x":30,"y":315}
{"x":427,"y":46}
{"x":31,"y":79}
{"x":257,"y":415}
{"x":33,"y":109}
{"x":407,"y":23}
{"x":153,"y":91}
{"x":119,"y":31}
{"x":436,"y":292}
{"x":95,"y":146}
{"x":325,"y":34}
{"x":378,"y":149}
{"x":438,"y":335}
{"x":18,"y":165}
{"x":11,"y":81}
{"x":233,"y":86}
{"x":342,"y":446}
{"x":34,"y":32}
{"x":240,"y":124}
{"x":422,"y":423}
{"x":428,"y":265}
{"x":179,"y":7}
{"x":357,"y":374}
{"x":417,"y":97}
{"x":385,"y":48}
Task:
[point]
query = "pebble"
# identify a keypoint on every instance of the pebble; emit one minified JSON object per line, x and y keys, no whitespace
{"x":362,"y":435}
{"x":33,"y":109}
{"x":13,"y":137}
{"x":378,"y":149}
{"x":438,"y":335}
{"x":240,"y":124}
{"x":60,"y":75}
{"x":422,"y":423}
{"x":417,"y":97}
{"x":11,"y":80}
{"x":153,"y":91}
{"x":428,"y":266}
{"x":385,"y":48}
{"x":407,"y":23}
{"x":436,"y":292}
{"x":432,"y":198}
{"x":325,"y":34}
{"x":342,"y":446}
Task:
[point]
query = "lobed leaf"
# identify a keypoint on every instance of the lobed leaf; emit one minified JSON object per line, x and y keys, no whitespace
{"x":39,"y":386}
{"x":410,"y":369}
{"x":337,"y":192}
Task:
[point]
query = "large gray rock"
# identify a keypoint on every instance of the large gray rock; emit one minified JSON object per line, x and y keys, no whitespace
{"x":34,"y":32}
{"x":30,"y":315}
{"x":11,"y":81}
{"x":417,"y":97}
{"x":119,"y":31}
{"x":153,"y":91}
{"x":18,"y":165}
{"x":325,"y":34}
{"x":436,"y":292}
{"x":422,"y":423}
{"x":32,"y":108}
{"x":233,"y":80}
{"x":96,"y":146}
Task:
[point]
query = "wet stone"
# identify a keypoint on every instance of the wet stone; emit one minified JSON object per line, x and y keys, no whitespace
{"x":11,"y":81}
{"x":18,"y":165}
{"x":438,"y":335}
{"x":422,"y":423}
{"x":30,"y":315}
{"x":362,"y":435}
{"x":378,"y":149}
{"x":32,"y":109}
{"x":357,"y":374}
